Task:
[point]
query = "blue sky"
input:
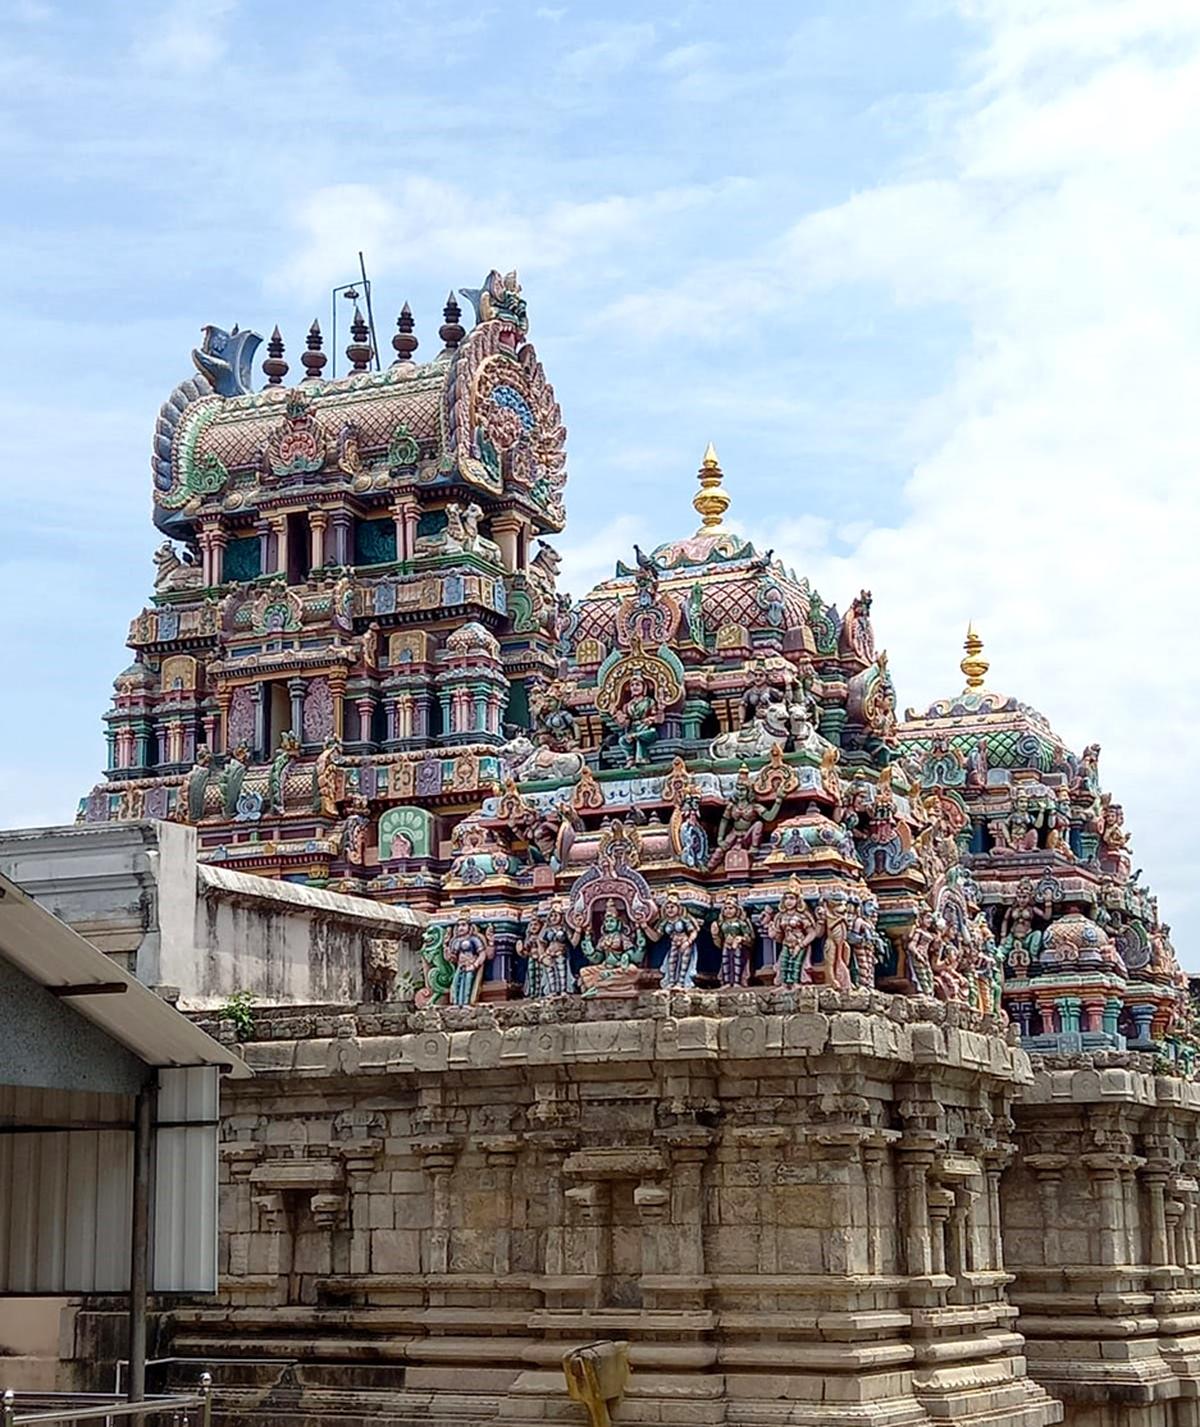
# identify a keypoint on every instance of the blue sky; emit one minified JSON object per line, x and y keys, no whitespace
{"x":923,"y":272}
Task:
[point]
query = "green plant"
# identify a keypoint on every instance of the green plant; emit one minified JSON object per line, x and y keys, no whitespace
{"x":238,"y":1012}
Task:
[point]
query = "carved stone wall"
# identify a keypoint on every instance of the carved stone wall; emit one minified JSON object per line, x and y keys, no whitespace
{"x":1102,"y":1230}
{"x":788,"y":1203}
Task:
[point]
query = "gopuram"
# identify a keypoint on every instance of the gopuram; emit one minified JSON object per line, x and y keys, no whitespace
{"x":838,"y":1063}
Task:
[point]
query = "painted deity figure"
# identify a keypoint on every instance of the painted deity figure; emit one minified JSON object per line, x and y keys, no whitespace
{"x":195,"y":784}
{"x":354,"y":829}
{"x":614,"y":954}
{"x":327,"y":778}
{"x":864,"y":939}
{"x":988,"y":966}
{"x":949,"y":982}
{"x":734,"y":936}
{"x":1022,"y":827}
{"x":285,"y":754}
{"x":793,"y":929}
{"x":1058,"y":824}
{"x":857,"y":635}
{"x":835,"y":919}
{"x":923,"y":949}
{"x":760,"y":696}
{"x":1114,"y":840}
{"x":547,"y":944}
{"x":554,"y":723}
{"x":977,"y":766}
{"x":468,"y":950}
{"x":744,"y":821}
{"x":681,"y":930}
{"x":1020,"y":936}
{"x":638,"y":718}
{"x":689,"y":839}
{"x":1087,"y":771}
{"x":233,"y":775}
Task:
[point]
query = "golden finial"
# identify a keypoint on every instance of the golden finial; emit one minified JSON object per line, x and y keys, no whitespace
{"x":973,"y":666}
{"x":710,"y":500}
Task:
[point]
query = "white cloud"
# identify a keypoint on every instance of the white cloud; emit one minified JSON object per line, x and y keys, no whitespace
{"x":1054,"y":496}
{"x":415,"y":224}
{"x":1060,"y":508}
{"x":620,"y":47}
{"x":188,"y":36}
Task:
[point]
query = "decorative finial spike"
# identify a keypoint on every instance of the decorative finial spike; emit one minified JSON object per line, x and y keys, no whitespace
{"x":274,"y":367}
{"x":359,"y":348}
{"x":974,"y":668}
{"x":312,"y":358}
{"x":404,"y":342}
{"x":451,"y":331}
{"x":710,"y":500}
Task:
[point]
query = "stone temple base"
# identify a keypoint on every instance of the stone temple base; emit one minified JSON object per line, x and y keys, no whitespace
{"x":788,"y":1203}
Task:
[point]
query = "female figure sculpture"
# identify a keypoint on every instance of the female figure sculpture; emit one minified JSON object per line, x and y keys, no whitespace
{"x":638,"y":717}
{"x":922,"y":950}
{"x":836,"y":964}
{"x":793,"y":929}
{"x":733,"y":933}
{"x":467,"y":951}
{"x":864,"y":941}
{"x":547,"y":944}
{"x":615,"y":954}
{"x":681,"y":929}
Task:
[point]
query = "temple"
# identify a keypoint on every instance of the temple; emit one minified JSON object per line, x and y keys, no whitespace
{"x":840,"y":1064}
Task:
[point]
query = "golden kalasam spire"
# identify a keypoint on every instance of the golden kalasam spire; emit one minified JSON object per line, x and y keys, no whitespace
{"x":973,"y":667}
{"x":710,"y":500}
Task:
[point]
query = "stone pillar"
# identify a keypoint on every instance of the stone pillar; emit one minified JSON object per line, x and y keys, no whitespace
{"x":341,"y":535}
{"x":505,"y":528}
{"x":1104,"y":1171}
{"x":941,"y":1201}
{"x":501,"y":1152}
{"x":219,"y":538}
{"x":405,"y":513}
{"x":279,"y":545}
{"x":1048,"y":1169}
{"x":553,"y":1147}
{"x":365,"y":703}
{"x":1131,"y":1223}
{"x":689,"y":1147}
{"x":1112,"y":1015}
{"x":296,"y":690}
{"x":914,"y":1197}
{"x":586,"y":1241}
{"x":653,"y":1204}
{"x":318,"y":520}
{"x":1154,"y":1177}
{"x":437,"y":1160}
{"x":874,"y":1153}
{"x":262,"y":529}
{"x":337,"y":690}
{"x":764,"y":1143}
{"x":1093,"y":1013}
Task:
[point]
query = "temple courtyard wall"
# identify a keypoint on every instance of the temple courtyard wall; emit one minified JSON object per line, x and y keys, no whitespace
{"x":804,"y":1207}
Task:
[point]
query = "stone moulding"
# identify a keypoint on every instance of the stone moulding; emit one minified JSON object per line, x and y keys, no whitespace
{"x":786,"y":1202}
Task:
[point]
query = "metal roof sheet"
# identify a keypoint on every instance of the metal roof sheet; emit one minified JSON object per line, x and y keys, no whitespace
{"x":52,"y":954}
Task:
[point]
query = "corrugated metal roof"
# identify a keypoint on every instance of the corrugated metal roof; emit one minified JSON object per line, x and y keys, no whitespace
{"x":312,"y":899}
{"x":50,"y":953}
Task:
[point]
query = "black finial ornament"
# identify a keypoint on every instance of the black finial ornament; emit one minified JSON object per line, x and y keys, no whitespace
{"x":404,"y":341}
{"x":359,"y":350}
{"x":275,"y":368}
{"x":313,"y":359}
{"x":451,"y":331}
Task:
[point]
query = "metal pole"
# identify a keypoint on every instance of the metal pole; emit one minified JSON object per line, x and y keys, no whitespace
{"x":366,"y":282}
{"x":139,"y":1266}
